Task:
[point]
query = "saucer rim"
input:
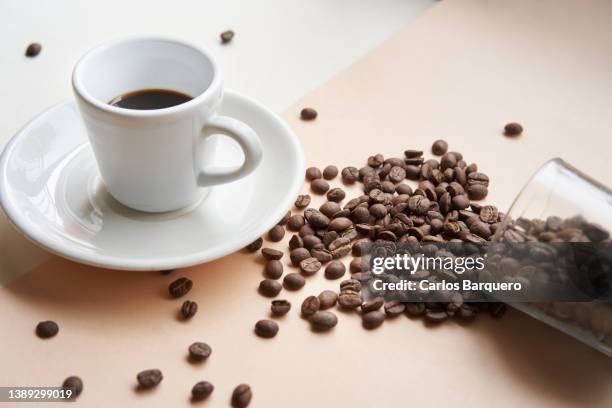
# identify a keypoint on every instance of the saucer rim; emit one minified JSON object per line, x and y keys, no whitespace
{"x":40,"y":238}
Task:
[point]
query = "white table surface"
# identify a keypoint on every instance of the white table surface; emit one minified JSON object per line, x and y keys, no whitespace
{"x":282,"y":50}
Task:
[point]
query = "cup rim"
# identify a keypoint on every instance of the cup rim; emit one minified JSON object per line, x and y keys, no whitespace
{"x":81,"y":91}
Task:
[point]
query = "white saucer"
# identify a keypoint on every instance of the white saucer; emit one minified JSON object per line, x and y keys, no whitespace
{"x":51,"y":190}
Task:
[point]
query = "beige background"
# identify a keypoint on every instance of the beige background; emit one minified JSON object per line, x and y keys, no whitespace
{"x":460,"y":72}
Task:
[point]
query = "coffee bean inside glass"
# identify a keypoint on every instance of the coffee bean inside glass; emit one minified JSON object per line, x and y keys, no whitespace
{"x":149,"y":99}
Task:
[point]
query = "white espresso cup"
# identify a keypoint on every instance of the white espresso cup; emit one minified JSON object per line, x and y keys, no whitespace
{"x":158,"y":160}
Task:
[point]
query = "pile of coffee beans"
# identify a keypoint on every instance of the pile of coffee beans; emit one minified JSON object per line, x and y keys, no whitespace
{"x":407,"y":199}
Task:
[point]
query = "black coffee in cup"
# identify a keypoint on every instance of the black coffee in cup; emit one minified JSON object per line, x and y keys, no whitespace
{"x":147,"y":99}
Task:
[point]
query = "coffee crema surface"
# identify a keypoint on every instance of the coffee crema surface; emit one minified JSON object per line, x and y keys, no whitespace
{"x":149,"y":99}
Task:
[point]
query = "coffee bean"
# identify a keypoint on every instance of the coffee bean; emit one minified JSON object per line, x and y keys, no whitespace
{"x":322,"y":254}
{"x":489,"y":214}
{"x":323,"y":321}
{"x":411,"y":154}
{"x":460,"y":202}
{"x":481,"y":229}
{"x":75,"y":384}
{"x":310,"y":266}
{"x":295,"y":222}
{"x":319,"y":186}
{"x":497,"y":310}
{"x":397,"y":174}
{"x":298,"y":255}
{"x":149,"y":378}
{"x":439,"y":147}
{"x":376,"y":160}
{"x":350,"y":284}
{"x":241,"y":397}
{"x":358,"y":265}
{"x":340,"y":224}
{"x":189,"y":309}
{"x":277,"y":233}
{"x":180,"y":287}
{"x":349,"y":299}
{"x":477,"y":178}
{"x":227,"y":36}
{"x":33,"y":50}
{"x":350,"y":175}
{"x":293,"y":281}
{"x":372,"y":304}
{"x":47,"y":329}
{"x":336,"y":194}
{"x":255,"y":245}
{"x":310,"y":306}
{"x":269,"y":254}
{"x":327,"y":299}
{"x":372,"y":320}
{"x":335,"y":270}
{"x":434,"y":316}
{"x":329,"y":208}
{"x":201,"y":390}
{"x":316,"y":219}
{"x":311,"y":241}
{"x":513,"y":129}
{"x":269,"y":287}
{"x":394,"y":308}
{"x":302,"y":201}
{"x":477,"y":191}
{"x":313,"y":173}
{"x":280,"y":307}
{"x":266,"y":328}
{"x":415,"y":309}
{"x":296,"y":242}
{"x":308,"y":114}
{"x":199,"y":351}
{"x":274,"y":269}
{"x":330,"y":172}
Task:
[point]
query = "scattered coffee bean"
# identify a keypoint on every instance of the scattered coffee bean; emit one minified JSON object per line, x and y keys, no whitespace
{"x":372,"y":304}
{"x":255,"y":245}
{"x":280,"y":307}
{"x":180,"y":287}
{"x":336,"y":194}
{"x":477,"y":192}
{"x":273,"y":269}
{"x":313,"y":173}
{"x":349,"y":299}
{"x":327,"y":299}
{"x":201,"y":390}
{"x":285,"y":218}
{"x":310,"y":306}
{"x":266,"y":328}
{"x":350,"y":175}
{"x":308,"y":114}
{"x":439,"y":147}
{"x":298,"y":255}
{"x":296,"y":242}
{"x":269,"y":287}
{"x":293,"y":281}
{"x":323,"y":321}
{"x":47,"y":329}
{"x":227,"y":36}
{"x":241,"y":397}
{"x":489,"y":214}
{"x":33,"y":50}
{"x":310,"y":266}
{"x":75,"y":384}
{"x":199,"y":351}
{"x":270,"y":254}
{"x":350,"y":285}
{"x":295,"y":222}
{"x":513,"y":129}
{"x":302,"y":201}
{"x":372,"y":320}
{"x":189,"y":309}
{"x":149,"y":378}
{"x":277,"y":233}
{"x":394,"y":308}
{"x":319,"y":186}
{"x":411,"y":154}
{"x":415,"y":309}
{"x":330,"y":172}
{"x":435,"y":316}
{"x":335,"y":270}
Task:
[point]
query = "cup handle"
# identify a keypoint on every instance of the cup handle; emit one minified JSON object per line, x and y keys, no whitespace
{"x":249,"y":143}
